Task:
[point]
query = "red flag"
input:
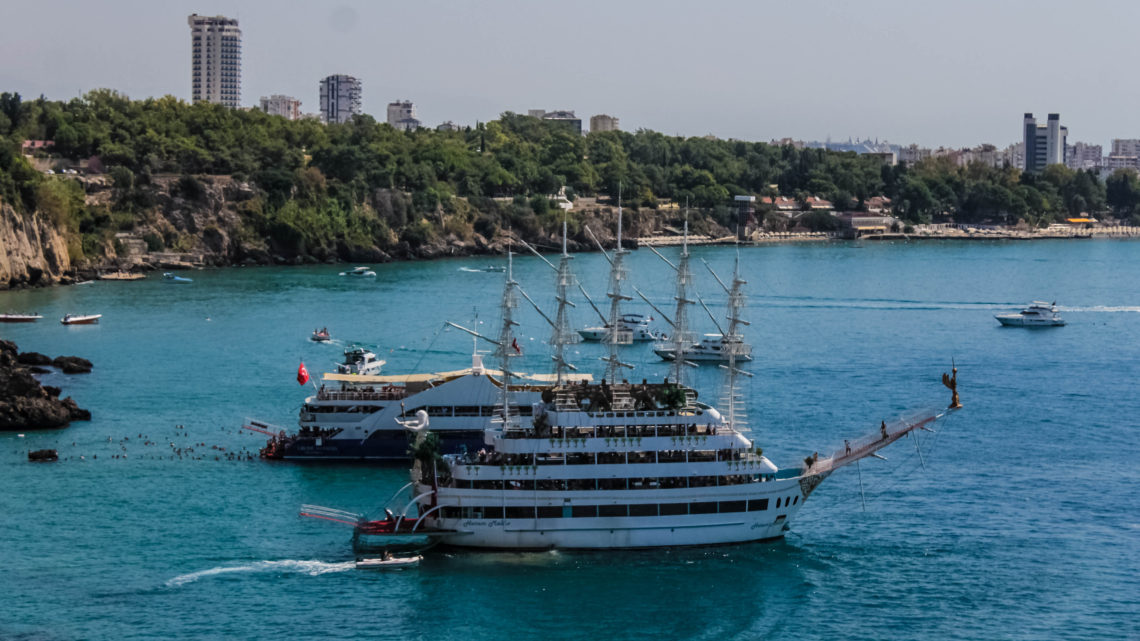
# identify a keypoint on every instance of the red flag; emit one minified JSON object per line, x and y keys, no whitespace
{"x":302,"y":374}
{"x":515,"y":344}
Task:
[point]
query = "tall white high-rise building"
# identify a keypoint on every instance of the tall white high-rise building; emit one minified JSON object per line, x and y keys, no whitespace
{"x":279,"y":105}
{"x":340,"y":98}
{"x":215,"y":60}
{"x":402,"y":115}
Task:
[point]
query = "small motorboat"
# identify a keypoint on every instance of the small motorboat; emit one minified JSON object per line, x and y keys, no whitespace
{"x":712,"y":348}
{"x":321,"y":335}
{"x":358,"y":360}
{"x":359,"y":272}
{"x":19,"y":318}
{"x":172,"y":278}
{"x":388,"y":562}
{"x":80,"y":319}
{"x":1038,"y":314}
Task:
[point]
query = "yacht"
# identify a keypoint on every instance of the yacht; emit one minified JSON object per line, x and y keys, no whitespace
{"x":1038,"y":314}
{"x":712,"y":348}
{"x":358,"y":360}
{"x":636,"y":325}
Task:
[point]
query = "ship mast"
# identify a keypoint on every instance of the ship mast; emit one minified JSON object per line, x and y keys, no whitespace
{"x":682,"y":337}
{"x":732,"y":344}
{"x":616,"y":333}
{"x":563,"y":333}
{"x":507,"y":347}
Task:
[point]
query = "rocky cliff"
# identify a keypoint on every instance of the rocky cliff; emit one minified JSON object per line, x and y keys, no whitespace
{"x":24,"y":403}
{"x":34,"y":251}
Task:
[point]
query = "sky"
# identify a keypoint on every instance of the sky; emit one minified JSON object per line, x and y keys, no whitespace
{"x":951,"y":73}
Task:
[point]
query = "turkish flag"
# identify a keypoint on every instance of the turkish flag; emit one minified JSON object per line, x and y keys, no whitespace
{"x":302,"y":374}
{"x":515,"y":344}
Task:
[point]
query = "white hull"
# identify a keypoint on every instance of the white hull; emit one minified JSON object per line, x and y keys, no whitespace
{"x":695,"y":355}
{"x":735,"y":525}
{"x":596,"y":334}
{"x":1017,"y":320}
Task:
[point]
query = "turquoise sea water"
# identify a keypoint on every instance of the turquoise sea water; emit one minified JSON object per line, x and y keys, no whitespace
{"x":1024,"y":524}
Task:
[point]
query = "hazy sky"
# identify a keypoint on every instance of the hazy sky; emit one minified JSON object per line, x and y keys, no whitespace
{"x":952,"y":73}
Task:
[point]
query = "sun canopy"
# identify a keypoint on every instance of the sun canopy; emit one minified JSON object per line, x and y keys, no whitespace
{"x":435,"y":376}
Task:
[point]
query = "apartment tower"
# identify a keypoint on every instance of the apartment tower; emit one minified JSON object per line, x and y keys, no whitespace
{"x":340,"y":98}
{"x":215,"y":60}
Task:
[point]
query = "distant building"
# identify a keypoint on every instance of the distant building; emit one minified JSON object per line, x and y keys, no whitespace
{"x":447,"y":126}
{"x":1014,"y":155}
{"x":1044,"y":144}
{"x":986,"y":154}
{"x":913,"y":154}
{"x":340,"y":98}
{"x":602,"y":122}
{"x":1083,"y":156}
{"x":279,"y":105}
{"x":887,"y":157}
{"x":787,"y":142}
{"x":215,"y":60}
{"x":781,"y":203}
{"x":1114,"y":162}
{"x":877,"y":205}
{"x":1125,"y":147}
{"x":574,"y":123}
{"x":402,"y":115}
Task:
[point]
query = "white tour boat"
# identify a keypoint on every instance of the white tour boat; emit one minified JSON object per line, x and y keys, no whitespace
{"x":1038,"y":314}
{"x":613,"y":465}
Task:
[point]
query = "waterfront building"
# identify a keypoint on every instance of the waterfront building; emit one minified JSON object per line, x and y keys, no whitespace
{"x":602,"y":122}
{"x":279,"y":105}
{"x":340,"y":98}
{"x":1082,"y":155}
{"x":215,"y":60}
{"x":1044,"y":144}
{"x":402,"y":115}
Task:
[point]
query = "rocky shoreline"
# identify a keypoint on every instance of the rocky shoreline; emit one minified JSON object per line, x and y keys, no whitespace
{"x":25,"y":404}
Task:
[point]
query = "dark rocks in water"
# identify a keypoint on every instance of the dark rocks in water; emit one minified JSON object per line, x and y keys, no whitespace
{"x":33,"y":358}
{"x":43,"y":456}
{"x":73,"y":364}
{"x":25,"y":404}
{"x":52,"y":391}
{"x":35,"y":369}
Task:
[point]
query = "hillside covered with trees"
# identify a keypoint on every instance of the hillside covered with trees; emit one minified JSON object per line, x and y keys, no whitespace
{"x":362,"y":184}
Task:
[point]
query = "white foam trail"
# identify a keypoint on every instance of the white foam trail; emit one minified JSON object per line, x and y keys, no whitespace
{"x":311,"y":568}
{"x":1100,"y":308}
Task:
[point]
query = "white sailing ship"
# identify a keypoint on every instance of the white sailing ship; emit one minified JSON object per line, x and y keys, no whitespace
{"x":614,"y":464}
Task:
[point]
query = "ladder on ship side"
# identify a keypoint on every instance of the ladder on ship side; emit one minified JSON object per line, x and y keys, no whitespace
{"x":620,"y":398}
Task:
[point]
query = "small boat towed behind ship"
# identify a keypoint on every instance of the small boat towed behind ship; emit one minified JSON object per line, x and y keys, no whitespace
{"x":78,"y":319}
{"x":19,"y":318}
{"x":1038,"y":314}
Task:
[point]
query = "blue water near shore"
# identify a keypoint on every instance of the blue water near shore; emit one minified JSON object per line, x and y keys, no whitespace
{"x":1024,"y":524}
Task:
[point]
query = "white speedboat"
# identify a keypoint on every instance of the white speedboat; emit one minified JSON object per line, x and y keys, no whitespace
{"x":1038,"y":314}
{"x":76,"y":319}
{"x":359,"y":272}
{"x":636,"y":324}
{"x":712,"y":348}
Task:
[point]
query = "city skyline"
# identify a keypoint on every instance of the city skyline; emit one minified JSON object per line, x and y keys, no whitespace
{"x":885,"y":70}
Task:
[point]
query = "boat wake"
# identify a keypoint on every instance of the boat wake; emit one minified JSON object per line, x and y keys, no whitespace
{"x":311,"y":568}
{"x":1100,"y":308}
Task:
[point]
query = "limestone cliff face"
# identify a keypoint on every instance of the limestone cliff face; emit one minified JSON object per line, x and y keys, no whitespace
{"x":32,"y":250}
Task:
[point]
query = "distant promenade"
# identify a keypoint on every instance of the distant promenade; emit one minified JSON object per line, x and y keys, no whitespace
{"x":921,"y":232}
